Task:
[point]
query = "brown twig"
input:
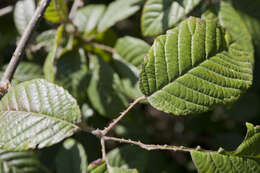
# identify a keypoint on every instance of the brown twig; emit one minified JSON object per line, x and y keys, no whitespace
{"x":75,"y":6}
{"x":104,"y":47}
{"x":115,"y":121}
{"x":10,"y":70}
{"x":153,"y":146}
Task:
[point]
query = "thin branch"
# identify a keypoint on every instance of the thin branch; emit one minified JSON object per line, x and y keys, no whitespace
{"x":6,"y":10}
{"x":153,"y":146}
{"x":104,"y":47}
{"x":75,"y":6}
{"x":10,"y":70}
{"x":115,"y":121}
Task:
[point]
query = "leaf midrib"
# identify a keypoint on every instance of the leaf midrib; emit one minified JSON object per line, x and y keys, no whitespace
{"x":46,"y":116}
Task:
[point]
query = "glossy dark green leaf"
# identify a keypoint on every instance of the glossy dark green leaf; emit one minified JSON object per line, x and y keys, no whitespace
{"x":71,"y":158}
{"x":161,"y":15}
{"x":36,"y":114}
{"x":246,"y":158}
{"x":23,"y":13}
{"x":193,"y":68}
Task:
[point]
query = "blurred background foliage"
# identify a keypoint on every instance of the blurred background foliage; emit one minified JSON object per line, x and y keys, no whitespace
{"x":92,"y":74}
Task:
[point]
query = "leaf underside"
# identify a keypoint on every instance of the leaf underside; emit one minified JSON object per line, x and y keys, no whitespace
{"x":18,"y":162}
{"x":192,"y":68}
{"x":36,"y":114}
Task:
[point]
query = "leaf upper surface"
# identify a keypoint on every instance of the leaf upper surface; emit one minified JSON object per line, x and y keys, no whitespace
{"x":245,"y":158}
{"x":160,"y":15}
{"x":36,"y":114}
{"x":191,"y":69}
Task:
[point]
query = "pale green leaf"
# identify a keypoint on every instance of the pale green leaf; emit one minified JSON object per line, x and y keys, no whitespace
{"x":104,"y":89}
{"x":25,"y":71}
{"x":49,"y":66}
{"x":117,"y":11}
{"x":18,"y":162}
{"x":160,"y":15}
{"x":132,"y":50}
{"x":45,"y":38}
{"x":36,"y":114}
{"x":191,"y":69}
{"x":23,"y":13}
{"x":87,"y":18}
{"x":71,"y":158}
{"x":72,"y":73}
{"x":99,"y":166}
{"x":57,"y":11}
{"x":246,"y":158}
{"x":121,"y":170}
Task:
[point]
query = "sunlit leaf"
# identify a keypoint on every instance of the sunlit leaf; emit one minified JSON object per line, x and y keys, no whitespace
{"x":23,"y":13}
{"x":246,"y":158}
{"x":117,"y":11}
{"x":160,"y":15}
{"x":87,"y":18}
{"x":57,"y":11}
{"x":36,"y":114}
{"x":192,"y":68}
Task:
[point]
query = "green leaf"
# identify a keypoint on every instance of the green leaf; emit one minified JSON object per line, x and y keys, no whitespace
{"x":104,"y":89}
{"x":71,"y":158}
{"x":49,"y":68}
{"x":87,"y":18}
{"x":132,"y":50}
{"x":18,"y":162}
{"x":117,"y":11}
{"x":36,"y":114}
{"x":129,"y":78}
{"x":246,"y":158}
{"x":191,"y":69}
{"x":44,"y":39}
{"x":160,"y":15}
{"x":23,"y":13}
{"x":121,"y":170}
{"x":72,"y":73}
{"x":57,"y":11}
{"x":99,"y":166}
{"x":25,"y":71}
{"x":128,"y":157}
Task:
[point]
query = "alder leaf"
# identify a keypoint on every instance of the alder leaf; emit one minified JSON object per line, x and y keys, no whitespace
{"x":87,"y":18}
{"x":104,"y":89}
{"x":132,"y":50}
{"x":246,"y":158}
{"x":23,"y":13}
{"x":72,"y":73}
{"x":192,"y":68}
{"x":160,"y":15}
{"x":117,"y":11}
{"x":57,"y":11}
{"x":36,"y":114}
{"x":71,"y":158}
{"x":18,"y":162}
